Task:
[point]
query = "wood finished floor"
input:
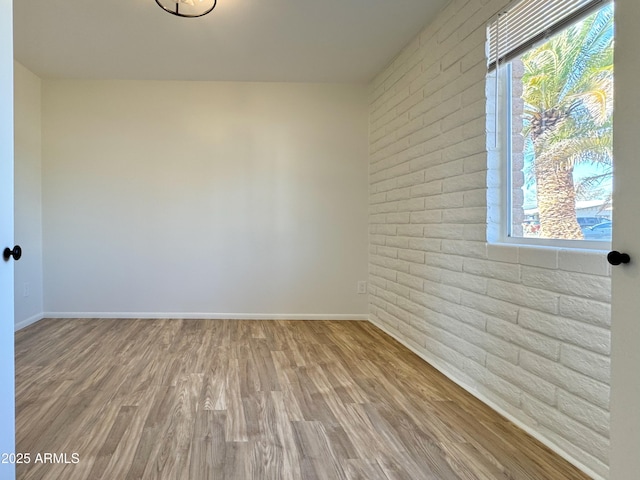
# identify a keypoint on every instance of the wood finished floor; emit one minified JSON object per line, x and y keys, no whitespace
{"x":245,"y":400}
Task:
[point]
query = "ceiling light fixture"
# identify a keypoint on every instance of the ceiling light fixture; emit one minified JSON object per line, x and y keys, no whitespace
{"x":187,"y":8}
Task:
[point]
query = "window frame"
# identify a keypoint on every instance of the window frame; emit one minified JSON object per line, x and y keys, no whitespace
{"x":502,"y":93}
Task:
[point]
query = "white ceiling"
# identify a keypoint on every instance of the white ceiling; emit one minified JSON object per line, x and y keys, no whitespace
{"x":241,"y":40}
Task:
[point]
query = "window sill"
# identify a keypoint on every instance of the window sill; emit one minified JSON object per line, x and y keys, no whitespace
{"x":546,"y":243}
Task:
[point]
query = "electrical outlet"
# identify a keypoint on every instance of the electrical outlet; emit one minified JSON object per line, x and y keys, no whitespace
{"x":362,"y":287}
{"x":25,"y":289}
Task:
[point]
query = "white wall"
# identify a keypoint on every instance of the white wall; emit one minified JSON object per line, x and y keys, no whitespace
{"x":525,"y":329}
{"x":200,"y":199}
{"x":28,"y":196}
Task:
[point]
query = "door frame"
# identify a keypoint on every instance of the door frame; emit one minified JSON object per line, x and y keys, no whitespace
{"x":625,"y":320}
{"x":7,"y":367}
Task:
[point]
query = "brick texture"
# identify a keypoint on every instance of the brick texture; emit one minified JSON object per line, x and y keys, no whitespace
{"x":525,"y":328}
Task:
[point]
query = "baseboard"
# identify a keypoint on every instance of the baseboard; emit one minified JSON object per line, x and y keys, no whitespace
{"x":209,"y":316}
{"x":29,"y":321}
{"x":451,"y":376}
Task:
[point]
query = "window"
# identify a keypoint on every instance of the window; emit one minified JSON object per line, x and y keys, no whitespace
{"x":551,"y":67}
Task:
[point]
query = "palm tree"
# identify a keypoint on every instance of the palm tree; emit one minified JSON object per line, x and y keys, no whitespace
{"x":567,"y":91}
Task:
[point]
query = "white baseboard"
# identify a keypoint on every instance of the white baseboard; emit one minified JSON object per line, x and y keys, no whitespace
{"x":208,"y":316}
{"x":28,"y":321}
{"x":451,"y":376}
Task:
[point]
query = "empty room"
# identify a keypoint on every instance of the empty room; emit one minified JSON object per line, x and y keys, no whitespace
{"x":319,"y":240}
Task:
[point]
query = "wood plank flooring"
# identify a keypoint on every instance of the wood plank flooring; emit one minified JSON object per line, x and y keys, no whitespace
{"x":248,"y":400}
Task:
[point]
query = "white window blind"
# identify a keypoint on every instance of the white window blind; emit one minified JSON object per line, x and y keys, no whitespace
{"x":529,"y":21}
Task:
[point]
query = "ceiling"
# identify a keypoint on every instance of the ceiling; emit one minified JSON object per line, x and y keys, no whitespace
{"x":241,"y":40}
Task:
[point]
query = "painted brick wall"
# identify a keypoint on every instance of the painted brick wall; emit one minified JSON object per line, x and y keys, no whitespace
{"x":525,"y":329}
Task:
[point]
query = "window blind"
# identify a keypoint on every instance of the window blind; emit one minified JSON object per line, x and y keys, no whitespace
{"x":528,"y":21}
